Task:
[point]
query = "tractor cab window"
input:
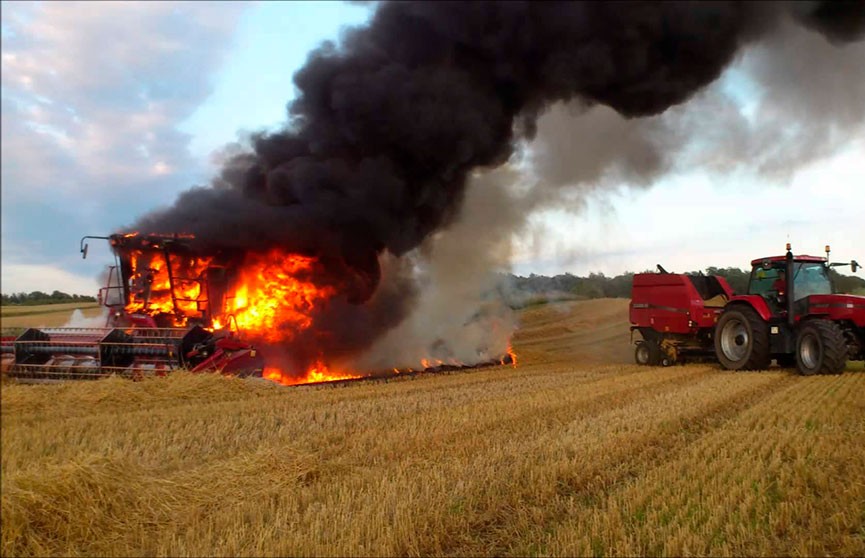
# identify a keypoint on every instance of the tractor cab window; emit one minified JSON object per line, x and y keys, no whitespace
{"x":767,"y":281}
{"x":810,"y":278}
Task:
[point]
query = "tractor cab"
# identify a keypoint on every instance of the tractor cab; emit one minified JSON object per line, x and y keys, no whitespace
{"x":786,"y":282}
{"x":810,"y":276}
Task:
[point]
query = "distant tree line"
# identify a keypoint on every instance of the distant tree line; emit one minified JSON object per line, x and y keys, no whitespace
{"x":36,"y":298}
{"x":597,"y":285}
{"x":848,"y":284}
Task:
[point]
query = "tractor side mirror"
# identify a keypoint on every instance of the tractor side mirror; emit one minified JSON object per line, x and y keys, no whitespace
{"x":84,"y":251}
{"x":854,"y":265}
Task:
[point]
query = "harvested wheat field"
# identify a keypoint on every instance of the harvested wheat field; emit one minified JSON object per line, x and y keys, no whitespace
{"x":46,"y":315}
{"x":575,"y":452}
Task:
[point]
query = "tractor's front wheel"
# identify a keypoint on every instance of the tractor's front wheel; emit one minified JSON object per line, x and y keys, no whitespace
{"x":742,"y":340}
{"x":820,"y":348}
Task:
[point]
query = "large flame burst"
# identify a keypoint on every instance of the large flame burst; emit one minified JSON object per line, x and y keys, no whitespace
{"x":271,"y":299}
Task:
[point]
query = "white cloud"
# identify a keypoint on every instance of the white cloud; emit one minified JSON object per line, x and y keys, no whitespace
{"x":18,"y":278}
{"x":90,"y":83}
{"x":693,"y":220}
{"x":92,"y":94}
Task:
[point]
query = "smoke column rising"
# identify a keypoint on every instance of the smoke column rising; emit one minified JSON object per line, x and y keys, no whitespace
{"x":388,"y":125}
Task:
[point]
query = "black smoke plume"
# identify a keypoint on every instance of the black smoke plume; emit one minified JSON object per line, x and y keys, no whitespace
{"x":387,"y":125}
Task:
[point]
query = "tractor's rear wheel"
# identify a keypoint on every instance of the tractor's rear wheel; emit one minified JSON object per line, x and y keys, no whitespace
{"x":742,"y":340}
{"x":820,"y":348}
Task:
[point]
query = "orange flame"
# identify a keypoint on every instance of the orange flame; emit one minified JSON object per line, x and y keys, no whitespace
{"x":152,"y":285}
{"x":318,"y":372}
{"x":512,"y":354}
{"x":271,"y":301}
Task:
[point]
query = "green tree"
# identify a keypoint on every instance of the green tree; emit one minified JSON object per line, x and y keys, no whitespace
{"x":846,"y":284}
{"x":737,"y":278}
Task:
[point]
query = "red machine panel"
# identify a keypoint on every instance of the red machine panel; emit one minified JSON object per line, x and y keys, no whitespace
{"x":677,"y":303}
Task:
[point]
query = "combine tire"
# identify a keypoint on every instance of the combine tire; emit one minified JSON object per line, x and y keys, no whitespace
{"x":820,"y":348}
{"x":641,"y":353}
{"x":742,"y":340}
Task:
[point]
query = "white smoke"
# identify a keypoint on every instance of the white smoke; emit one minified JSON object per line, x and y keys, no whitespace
{"x":78,"y":319}
{"x":461,"y":315}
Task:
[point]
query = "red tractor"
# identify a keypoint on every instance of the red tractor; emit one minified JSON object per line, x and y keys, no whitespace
{"x":790,"y":314}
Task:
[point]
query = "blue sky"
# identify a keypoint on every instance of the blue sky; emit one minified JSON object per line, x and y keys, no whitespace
{"x":111,"y":109}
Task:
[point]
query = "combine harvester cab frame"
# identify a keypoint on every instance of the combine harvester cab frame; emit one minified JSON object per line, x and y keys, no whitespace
{"x":675,"y":314}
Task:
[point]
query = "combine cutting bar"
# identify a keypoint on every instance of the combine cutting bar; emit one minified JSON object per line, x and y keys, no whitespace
{"x":136,"y":349}
{"x":64,"y":353}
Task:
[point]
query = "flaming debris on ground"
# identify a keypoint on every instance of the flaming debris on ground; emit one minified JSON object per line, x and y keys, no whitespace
{"x":387,"y":126}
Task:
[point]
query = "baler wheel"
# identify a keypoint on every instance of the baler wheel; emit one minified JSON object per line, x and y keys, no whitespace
{"x":821,"y":348}
{"x":654,"y":353}
{"x":742,"y":340}
{"x":642,"y":354}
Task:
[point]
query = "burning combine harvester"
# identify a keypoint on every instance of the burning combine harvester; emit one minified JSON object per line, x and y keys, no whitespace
{"x":168,"y":307}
